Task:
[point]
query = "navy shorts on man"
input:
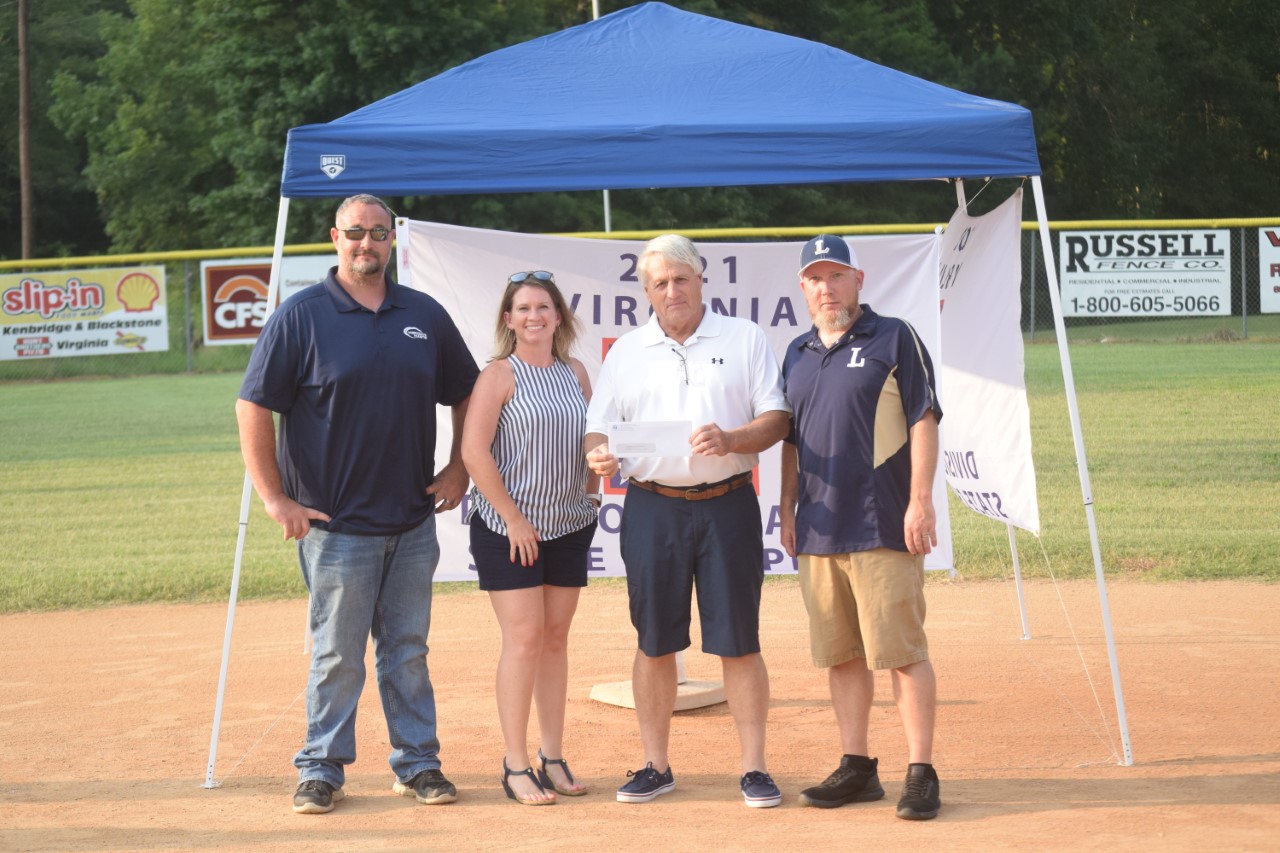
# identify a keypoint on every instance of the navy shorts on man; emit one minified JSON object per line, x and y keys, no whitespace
{"x":672,"y":545}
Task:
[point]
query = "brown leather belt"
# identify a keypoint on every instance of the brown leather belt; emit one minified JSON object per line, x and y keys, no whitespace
{"x":702,"y":492}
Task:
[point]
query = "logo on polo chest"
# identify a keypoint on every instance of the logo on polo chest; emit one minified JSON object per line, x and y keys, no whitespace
{"x":415,"y":332}
{"x":855,"y":360}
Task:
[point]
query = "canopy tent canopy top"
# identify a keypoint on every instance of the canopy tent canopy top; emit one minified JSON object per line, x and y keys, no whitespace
{"x":653,"y":96}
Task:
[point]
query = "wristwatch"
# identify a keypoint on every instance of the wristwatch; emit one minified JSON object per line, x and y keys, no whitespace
{"x":596,"y":498}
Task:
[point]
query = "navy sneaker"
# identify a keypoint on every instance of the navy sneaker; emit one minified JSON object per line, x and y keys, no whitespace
{"x":646,"y":785}
{"x":759,"y":791}
{"x":920,"y":795}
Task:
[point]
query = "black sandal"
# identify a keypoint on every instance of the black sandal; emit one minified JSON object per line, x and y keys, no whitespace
{"x":528,"y":771}
{"x":545,"y":778}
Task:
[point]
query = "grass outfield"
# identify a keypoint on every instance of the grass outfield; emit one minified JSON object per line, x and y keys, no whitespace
{"x":125,"y":491}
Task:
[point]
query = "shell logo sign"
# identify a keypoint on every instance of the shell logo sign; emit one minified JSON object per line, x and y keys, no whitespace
{"x":137,"y":292}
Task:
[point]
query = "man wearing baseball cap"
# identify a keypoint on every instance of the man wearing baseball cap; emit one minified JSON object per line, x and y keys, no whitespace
{"x":857,"y":509}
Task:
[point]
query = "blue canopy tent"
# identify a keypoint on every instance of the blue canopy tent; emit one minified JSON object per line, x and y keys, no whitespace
{"x":652,"y":96}
{"x":655,"y":97}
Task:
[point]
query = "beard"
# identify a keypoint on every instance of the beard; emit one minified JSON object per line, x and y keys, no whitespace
{"x":365,"y":265}
{"x":833,"y":321}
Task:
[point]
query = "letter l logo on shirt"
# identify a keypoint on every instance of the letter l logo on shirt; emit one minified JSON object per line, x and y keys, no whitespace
{"x":854,"y":360}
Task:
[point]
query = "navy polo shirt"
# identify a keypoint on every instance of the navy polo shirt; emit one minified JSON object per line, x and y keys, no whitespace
{"x":854,"y":405}
{"x":357,"y":393}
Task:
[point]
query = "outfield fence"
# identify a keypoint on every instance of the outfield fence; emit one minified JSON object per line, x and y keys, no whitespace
{"x":1238,"y":309}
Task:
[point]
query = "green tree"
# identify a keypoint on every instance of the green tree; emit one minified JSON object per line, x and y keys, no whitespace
{"x":143,"y":112}
{"x":185,"y":116}
{"x":178,"y":110}
{"x":1142,"y":109}
{"x":1221,"y":66}
{"x":62,"y":35}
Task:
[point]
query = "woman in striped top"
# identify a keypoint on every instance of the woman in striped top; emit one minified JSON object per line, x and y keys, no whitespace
{"x":534,"y":508}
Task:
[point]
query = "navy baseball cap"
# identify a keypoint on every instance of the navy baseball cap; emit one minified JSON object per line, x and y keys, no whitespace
{"x":827,"y":247}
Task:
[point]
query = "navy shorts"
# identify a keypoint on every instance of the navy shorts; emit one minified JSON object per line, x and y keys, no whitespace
{"x":669,"y":545}
{"x":561,"y":561}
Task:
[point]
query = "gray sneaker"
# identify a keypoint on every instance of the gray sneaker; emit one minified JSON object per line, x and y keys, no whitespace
{"x":315,"y":796}
{"x":429,"y":787}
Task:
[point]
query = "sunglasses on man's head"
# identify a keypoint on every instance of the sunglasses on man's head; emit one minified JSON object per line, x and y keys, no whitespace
{"x":536,"y":275}
{"x":356,"y":234}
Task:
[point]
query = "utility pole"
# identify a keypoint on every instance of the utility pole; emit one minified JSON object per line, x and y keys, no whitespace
{"x":24,"y":133}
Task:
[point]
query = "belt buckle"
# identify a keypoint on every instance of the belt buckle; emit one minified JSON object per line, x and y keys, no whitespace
{"x":692,"y":494}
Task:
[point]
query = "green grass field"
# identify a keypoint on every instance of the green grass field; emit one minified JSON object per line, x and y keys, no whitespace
{"x":128,"y":490}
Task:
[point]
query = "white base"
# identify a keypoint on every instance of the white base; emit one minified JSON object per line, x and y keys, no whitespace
{"x":689,"y":694}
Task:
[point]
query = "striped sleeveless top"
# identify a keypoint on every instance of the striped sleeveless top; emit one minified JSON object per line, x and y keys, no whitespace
{"x":538,"y":448}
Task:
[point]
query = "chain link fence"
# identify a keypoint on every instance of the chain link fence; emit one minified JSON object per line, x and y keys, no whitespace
{"x":1243,"y":319}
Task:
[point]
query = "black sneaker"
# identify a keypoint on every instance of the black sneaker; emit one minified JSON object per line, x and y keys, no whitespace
{"x":646,"y":785}
{"x":854,"y":781}
{"x":429,"y":787}
{"x":920,"y":795}
{"x":315,"y":796}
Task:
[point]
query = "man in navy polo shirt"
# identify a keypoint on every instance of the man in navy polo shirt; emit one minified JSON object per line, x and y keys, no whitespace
{"x":356,"y":365}
{"x":856,"y":506}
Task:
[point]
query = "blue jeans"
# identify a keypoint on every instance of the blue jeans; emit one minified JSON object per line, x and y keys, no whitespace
{"x":359,"y":585}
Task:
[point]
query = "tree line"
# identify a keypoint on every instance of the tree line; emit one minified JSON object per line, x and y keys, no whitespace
{"x":160,"y":124}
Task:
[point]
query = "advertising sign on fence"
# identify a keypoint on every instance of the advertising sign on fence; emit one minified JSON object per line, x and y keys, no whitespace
{"x":1145,"y":273}
{"x":235,"y":293}
{"x":83,"y":312}
{"x":1269,"y":270}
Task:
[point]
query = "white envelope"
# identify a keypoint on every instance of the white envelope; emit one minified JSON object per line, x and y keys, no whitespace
{"x":635,"y":439}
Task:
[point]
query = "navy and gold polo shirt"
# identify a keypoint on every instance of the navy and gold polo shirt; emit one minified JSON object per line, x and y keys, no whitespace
{"x":854,"y":405}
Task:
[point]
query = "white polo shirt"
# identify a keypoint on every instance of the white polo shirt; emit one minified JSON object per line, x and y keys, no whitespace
{"x":733,"y":378}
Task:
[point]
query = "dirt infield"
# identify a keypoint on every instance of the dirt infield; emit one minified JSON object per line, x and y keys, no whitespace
{"x":105,"y":718}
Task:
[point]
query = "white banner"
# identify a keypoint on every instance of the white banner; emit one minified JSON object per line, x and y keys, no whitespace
{"x":466,"y":269}
{"x":986,"y":426}
{"x":1145,"y":273}
{"x":1269,"y":270}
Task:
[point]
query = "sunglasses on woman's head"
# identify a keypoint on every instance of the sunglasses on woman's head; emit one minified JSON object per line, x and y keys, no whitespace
{"x":536,"y":275}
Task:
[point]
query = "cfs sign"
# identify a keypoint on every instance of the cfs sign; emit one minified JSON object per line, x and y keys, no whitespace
{"x":235,"y":294}
{"x":235,"y":302}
